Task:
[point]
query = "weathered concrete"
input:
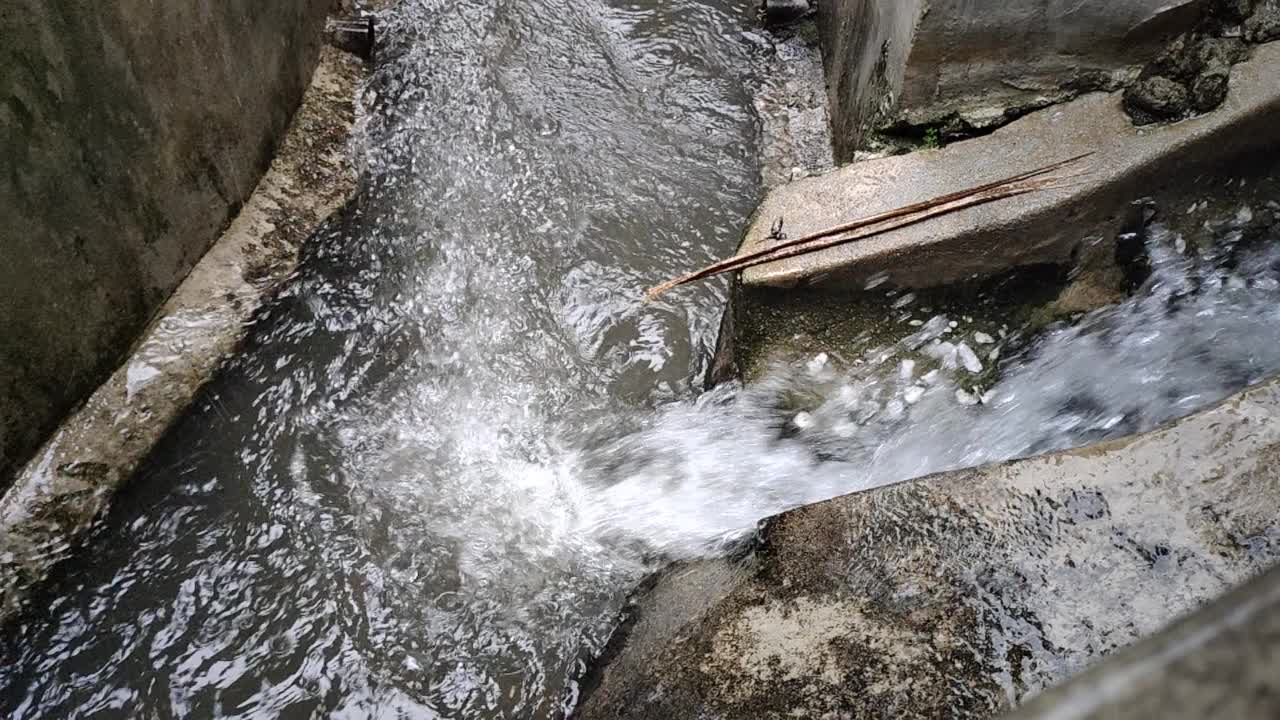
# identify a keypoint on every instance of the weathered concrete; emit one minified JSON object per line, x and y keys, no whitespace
{"x":765,"y":327}
{"x":1220,"y":662}
{"x":57,"y":495}
{"x":131,"y":134}
{"x":1037,"y":229}
{"x":978,"y":63}
{"x":961,"y":594}
{"x":795,"y":139}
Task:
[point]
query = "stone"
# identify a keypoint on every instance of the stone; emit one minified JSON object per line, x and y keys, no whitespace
{"x":1209,"y":91}
{"x":1216,"y":54}
{"x":965,"y":593}
{"x":1191,"y":75}
{"x":1231,"y":12}
{"x":1156,"y":99}
{"x":1264,"y":25}
{"x":1031,"y":230}
{"x":1180,"y":61}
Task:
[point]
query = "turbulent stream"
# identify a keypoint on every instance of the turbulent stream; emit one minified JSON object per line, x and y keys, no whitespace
{"x":459,"y":438}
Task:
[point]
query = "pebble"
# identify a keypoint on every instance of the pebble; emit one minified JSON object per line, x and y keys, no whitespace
{"x":944,"y":352}
{"x":965,"y":398}
{"x":907,"y":369}
{"x":913,"y":394}
{"x":968,"y":358}
{"x":982,"y":338}
{"x":802,"y":420}
{"x":904,"y":301}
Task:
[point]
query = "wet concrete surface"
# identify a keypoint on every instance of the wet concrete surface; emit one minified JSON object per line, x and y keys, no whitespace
{"x":965,"y":593}
{"x":1219,"y":662}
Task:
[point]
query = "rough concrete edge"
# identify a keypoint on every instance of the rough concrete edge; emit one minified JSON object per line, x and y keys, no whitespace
{"x":1036,"y":215}
{"x":1134,"y":682}
{"x":71,"y":479}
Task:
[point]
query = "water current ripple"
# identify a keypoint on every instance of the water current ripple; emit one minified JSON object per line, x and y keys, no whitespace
{"x":458,"y":438}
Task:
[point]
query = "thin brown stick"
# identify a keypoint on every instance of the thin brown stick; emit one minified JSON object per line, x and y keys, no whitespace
{"x":897,"y":223}
{"x":748,"y":259}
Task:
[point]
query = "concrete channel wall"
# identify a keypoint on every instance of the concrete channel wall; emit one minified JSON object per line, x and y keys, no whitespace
{"x":977,"y":63}
{"x":131,"y":133}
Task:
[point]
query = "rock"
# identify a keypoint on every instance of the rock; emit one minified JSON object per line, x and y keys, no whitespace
{"x":1264,"y":25}
{"x":1231,"y":12}
{"x":1179,"y":61}
{"x":1156,"y":99}
{"x":1190,"y":75}
{"x":961,"y":594}
{"x":1219,"y":54}
{"x":1209,"y":91}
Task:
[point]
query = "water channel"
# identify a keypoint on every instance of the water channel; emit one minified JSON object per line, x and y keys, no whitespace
{"x":459,"y":437}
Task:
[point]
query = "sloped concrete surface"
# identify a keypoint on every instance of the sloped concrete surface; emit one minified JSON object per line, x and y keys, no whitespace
{"x":962,"y":594}
{"x":1217,"y":663}
{"x":1042,"y":228}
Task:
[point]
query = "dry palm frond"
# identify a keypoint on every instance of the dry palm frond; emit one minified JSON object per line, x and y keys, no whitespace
{"x":1028,"y":182}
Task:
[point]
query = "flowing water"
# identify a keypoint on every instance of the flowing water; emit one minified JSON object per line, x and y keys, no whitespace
{"x":459,"y":438}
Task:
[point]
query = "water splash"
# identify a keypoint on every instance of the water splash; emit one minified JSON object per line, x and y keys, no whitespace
{"x":702,"y":472}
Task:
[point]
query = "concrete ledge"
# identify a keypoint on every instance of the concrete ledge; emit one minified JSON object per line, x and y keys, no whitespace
{"x":1044,"y":228}
{"x":74,"y":475}
{"x":964,"y":593}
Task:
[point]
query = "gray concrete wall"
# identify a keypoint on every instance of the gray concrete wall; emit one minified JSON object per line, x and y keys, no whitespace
{"x":979,"y":61}
{"x":865,"y":44}
{"x":130,"y":133}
